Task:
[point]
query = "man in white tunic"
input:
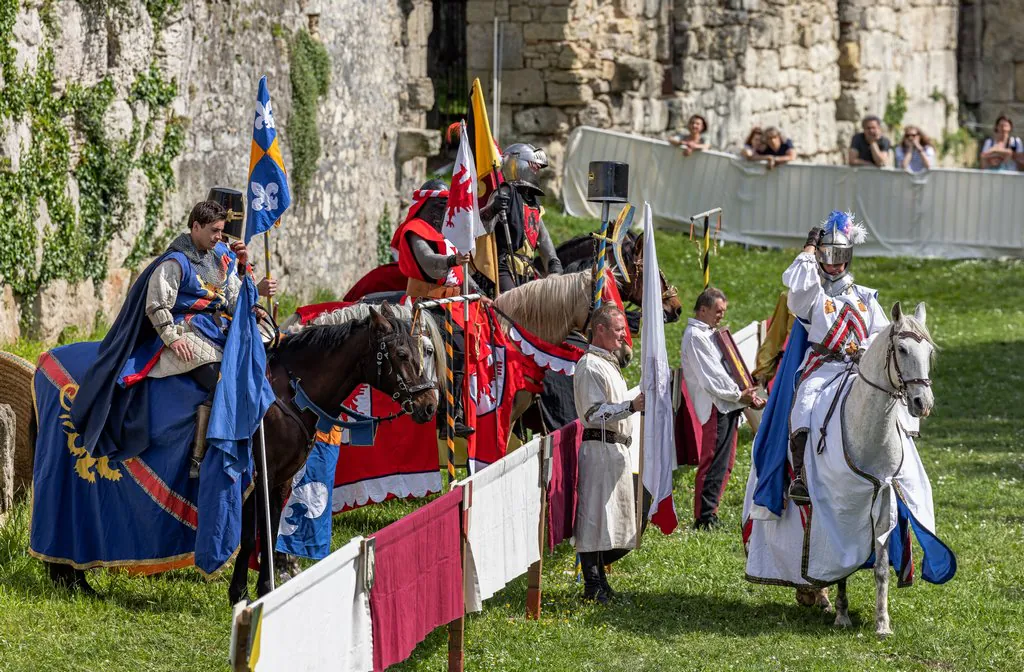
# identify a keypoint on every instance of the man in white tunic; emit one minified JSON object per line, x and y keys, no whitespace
{"x":605,"y":513}
{"x":841,"y":319}
{"x":717,"y":402}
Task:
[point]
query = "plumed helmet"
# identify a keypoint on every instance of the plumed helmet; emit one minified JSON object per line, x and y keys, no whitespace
{"x":521,"y":165}
{"x":835,"y":246}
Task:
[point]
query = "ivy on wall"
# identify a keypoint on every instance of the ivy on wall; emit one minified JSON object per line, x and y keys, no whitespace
{"x":75,"y":244}
{"x":310,"y":79}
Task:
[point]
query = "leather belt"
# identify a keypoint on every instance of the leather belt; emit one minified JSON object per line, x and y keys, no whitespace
{"x":607,"y":436}
{"x":833,"y":355}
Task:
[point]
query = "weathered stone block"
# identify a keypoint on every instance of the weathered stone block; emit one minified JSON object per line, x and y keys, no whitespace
{"x":512,"y":46}
{"x":573,"y":56}
{"x":547,"y":31}
{"x":416,"y":142}
{"x":596,"y":114}
{"x":10,"y":316}
{"x":524,"y":87}
{"x":60,"y":305}
{"x":521,"y":14}
{"x":112,"y":293}
{"x":421,"y":93}
{"x":8,"y":426}
{"x":1019,"y":81}
{"x":555,"y":14}
{"x":541,"y":121}
{"x":568,"y":94}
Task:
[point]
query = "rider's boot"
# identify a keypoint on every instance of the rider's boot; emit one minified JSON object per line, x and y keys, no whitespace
{"x":590,"y":566}
{"x":199,"y":443}
{"x":798,"y":493}
{"x":462,"y":430}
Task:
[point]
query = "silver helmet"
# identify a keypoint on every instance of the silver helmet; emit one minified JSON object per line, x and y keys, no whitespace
{"x":835,"y":246}
{"x":521,"y":165}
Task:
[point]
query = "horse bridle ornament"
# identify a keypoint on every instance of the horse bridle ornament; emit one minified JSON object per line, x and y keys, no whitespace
{"x":899,"y":386}
{"x":405,"y":392}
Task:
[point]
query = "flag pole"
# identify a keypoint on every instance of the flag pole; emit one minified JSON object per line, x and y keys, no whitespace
{"x":266,"y":261}
{"x":640,"y":484}
{"x":268,"y":541}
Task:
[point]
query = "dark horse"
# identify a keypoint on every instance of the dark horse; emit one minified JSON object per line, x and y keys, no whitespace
{"x":331,"y":361}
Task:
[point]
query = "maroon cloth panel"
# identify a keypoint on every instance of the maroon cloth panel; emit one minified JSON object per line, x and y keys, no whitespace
{"x":417,"y":578}
{"x":565,"y":448}
{"x":689,"y":432}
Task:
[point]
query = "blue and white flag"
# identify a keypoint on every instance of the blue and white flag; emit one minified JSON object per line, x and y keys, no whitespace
{"x":306,"y":518}
{"x":267,"y":192}
{"x":241,"y":399}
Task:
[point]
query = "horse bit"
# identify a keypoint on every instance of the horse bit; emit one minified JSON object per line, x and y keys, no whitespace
{"x":405,"y":392}
{"x":899,"y":391}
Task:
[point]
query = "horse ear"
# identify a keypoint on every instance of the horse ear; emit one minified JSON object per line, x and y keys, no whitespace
{"x":378,"y":322}
{"x":920,"y":314}
{"x":385,"y":310}
{"x":897,"y":312}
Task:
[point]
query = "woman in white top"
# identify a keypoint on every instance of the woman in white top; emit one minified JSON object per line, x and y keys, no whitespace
{"x":1002,"y":151}
{"x":915,"y":153}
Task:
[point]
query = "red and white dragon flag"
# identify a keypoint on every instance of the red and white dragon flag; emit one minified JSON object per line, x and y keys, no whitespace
{"x":462,"y":223}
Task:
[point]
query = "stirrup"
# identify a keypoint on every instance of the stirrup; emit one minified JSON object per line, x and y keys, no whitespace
{"x":798,"y":492}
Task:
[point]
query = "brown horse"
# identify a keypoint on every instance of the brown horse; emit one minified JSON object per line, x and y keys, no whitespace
{"x":331,"y":361}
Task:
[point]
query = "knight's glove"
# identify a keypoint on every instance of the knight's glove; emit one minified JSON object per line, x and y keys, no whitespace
{"x":499,"y":203}
{"x":450,"y":261}
{"x":856,"y":355}
{"x":813,"y":236}
{"x":554,"y":266}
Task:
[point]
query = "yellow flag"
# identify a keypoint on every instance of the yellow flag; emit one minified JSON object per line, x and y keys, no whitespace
{"x":488,"y":170}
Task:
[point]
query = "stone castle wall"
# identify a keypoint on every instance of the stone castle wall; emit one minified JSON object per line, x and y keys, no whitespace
{"x":812,"y":67}
{"x":992,"y":60}
{"x":370,"y":126}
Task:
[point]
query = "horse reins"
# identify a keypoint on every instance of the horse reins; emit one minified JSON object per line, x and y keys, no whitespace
{"x":405,"y":392}
{"x":899,"y":387}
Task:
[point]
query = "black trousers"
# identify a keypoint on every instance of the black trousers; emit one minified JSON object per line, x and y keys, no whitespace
{"x":207,"y":376}
{"x":718,"y":470}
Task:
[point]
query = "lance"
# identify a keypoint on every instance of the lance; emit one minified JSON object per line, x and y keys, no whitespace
{"x":705,"y":245}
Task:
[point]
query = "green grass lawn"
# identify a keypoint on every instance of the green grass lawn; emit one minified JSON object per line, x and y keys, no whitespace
{"x":685,"y":604}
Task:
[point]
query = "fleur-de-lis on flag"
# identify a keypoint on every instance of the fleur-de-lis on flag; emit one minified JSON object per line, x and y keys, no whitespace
{"x":268,"y":193}
{"x":264,"y":116}
{"x":266,"y":196}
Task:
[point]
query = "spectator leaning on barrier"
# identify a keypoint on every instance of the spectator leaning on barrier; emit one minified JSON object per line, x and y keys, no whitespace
{"x":870,"y":148}
{"x":915,"y":153}
{"x":691,"y":142}
{"x":1002,"y":151}
{"x":776,"y":149}
{"x":753,"y":145}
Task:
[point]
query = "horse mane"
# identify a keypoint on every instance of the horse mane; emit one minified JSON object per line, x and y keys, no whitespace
{"x":547,"y":306}
{"x":403,"y":315}
{"x":322,"y":337}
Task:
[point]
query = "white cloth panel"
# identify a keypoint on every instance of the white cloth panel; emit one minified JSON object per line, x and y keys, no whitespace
{"x":320,"y":620}
{"x":504,"y":523}
{"x":946,"y":212}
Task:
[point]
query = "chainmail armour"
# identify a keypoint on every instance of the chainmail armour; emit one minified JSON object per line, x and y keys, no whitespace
{"x":206,"y":264}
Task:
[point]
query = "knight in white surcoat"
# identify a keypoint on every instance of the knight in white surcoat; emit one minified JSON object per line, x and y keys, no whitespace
{"x":841,"y":319}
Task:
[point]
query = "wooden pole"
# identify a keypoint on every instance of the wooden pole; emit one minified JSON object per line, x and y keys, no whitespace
{"x":705,"y":263}
{"x":266,"y":261}
{"x":640,"y":487}
{"x":457,"y":628}
{"x":240,"y":651}
{"x":535,"y":575}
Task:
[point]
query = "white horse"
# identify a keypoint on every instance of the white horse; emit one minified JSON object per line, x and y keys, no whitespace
{"x":896,"y":367}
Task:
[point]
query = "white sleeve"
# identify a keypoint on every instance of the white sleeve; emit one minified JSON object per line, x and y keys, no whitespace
{"x":161,"y":293}
{"x":879,"y":321}
{"x":592,"y":401}
{"x":711,"y":373}
{"x":801,"y":278}
{"x":987,"y":145}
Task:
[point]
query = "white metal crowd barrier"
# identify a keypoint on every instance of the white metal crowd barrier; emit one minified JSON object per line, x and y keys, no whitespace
{"x":949,"y":213}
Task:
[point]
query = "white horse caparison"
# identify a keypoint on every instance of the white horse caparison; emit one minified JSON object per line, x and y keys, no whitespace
{"x":896,"y":366}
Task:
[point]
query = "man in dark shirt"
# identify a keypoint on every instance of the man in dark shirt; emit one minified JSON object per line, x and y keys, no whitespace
{"x":870,"y":148}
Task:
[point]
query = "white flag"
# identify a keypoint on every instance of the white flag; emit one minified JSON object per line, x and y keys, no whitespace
{"x":659,"y":444}
{"x":462,"y":223}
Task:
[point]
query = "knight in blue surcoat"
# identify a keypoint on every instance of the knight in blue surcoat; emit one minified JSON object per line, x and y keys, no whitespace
{"x":174,"y":322}
{"x":841,"y":319}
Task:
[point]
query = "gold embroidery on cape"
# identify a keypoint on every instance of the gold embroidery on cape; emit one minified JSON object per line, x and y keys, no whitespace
{"x":85,"y":464}
{"x":829,"y":306}
{"x":863,"y":308}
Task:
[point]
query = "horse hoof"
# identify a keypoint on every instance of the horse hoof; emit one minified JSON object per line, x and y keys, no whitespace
{"x":843,"y":621}
{"x":882,"y":633}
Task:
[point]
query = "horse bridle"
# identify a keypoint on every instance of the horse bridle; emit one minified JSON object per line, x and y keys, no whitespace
{"x":899,"y":386}
{"x":405,"y":392}
{"x":670,"y":292}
